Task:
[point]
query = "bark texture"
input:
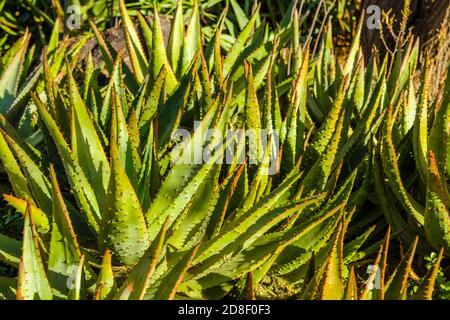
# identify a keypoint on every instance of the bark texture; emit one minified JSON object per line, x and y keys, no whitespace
{"x":429,"y":21}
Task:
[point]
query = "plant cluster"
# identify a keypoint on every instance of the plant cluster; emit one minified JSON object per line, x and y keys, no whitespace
{"x":114,"y":207}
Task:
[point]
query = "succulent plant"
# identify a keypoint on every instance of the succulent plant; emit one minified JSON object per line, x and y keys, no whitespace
{"x":116,"y":207}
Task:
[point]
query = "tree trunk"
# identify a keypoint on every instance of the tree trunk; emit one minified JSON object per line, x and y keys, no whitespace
{"x":428,"y":20}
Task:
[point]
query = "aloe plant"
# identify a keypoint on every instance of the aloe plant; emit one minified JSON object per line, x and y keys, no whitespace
{"x":115,"y":207}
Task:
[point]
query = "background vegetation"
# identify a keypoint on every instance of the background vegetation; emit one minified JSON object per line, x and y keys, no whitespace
{"x":91,"y":196}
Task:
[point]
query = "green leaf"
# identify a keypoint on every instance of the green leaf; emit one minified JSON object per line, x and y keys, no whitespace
{"x":295,"y":119}
{"x":332,"y":287}
{"x":396,"y":288}
{"x":39,"y":217}
{"x":437,"y":211}
{"x":192,"y":40}
{"x":36,"y":180}
{"x":9,"y":250}
{"x":140,"y":277}
{"x":122,"y":137}
{"x":191,"y":226}
{"x":253,"y":118}
{"x":316,"y":178}
{"x":124,"y":230}
{"x":87,"y":148}
{"x":153,"y":94}
{"x":186,"y":175}
{"x":9,"y":79}
{"x":159,"y":54}
{"x":240,"y":15}
{"x":64,"y":253}
{"x":176,"y":41}
{"x":351,"y":291}
{"x":323,"y":136}
{"x":392,"y":172}
{"x":238,"y":46}
{"x":247,"y":226}
{"x":420,"y":129}
{"x":32,"y":281}
{"x":12,"y":168}
{"x":106,"y":286}
{"x":81,"y":188}
{"x":168,"y":285}
{"x":77,"y":291}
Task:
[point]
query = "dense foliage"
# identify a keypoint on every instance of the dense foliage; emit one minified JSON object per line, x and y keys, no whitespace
{"x":348,"y":193}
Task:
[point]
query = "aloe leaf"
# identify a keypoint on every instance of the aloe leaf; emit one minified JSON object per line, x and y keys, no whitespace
{"x":332,"y":287}
{"x":64,"y":249}
{"x":318,"y":237}
{"x":238,"y":46}
{"x":146,"y":31}
{"x":351,"y":62}
{"x":351,"y":249}
{"x":420,"y":129}
{"x":240,"y":15}
{"x":292,"y":264}
{"x":169,"y":113}
{"x":21,"y":99}
{"x":106,"y":286}
{"x":153,"y":95}
{"x":315,"y":180}
{"x":295,"y":119}
{"x":192,"y":40}
{"x":398,"y":282}
{"x":312,"y":286}
{"x":9,"y":79}
{"x":176,"y":40}
{"x":369,"y":291}
{"x":351,"y":290}
{"x":124,"y":230}
{"x":137,"y":56}
{"x":32,"y":280}
{"x":426,"y":287}
{"x":78,"y":290}
{"x":82,"y":189}
{"x":243,"y":231}
{"x":159,"y":55}
{"x":141,"y":275}
{"x":439,"y":139}
{"x":191,"y":226}
{"x":10,"y":250}
{"x":253,"y":118}
{"x":115,"y":84}
{"x":326,"y":130}
{"x":386,"y":202}
{"x":121,"y":136}
{"x":149,"y":177}
{"x":108,"y":57}
{"x":40,"y":218}
{"x":57,"y":107}
{"x":36,"y":180}
{"x":170,"y":282}
{"x":226,"y":190}
{"x":213,"y":50}
{"x":12,"y":168}
{"x":185,"y":177}
{"x":392,"y":172}
{"x":366,"y":125}
{"x":86,"y":145}
{"x":437,"y":211}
